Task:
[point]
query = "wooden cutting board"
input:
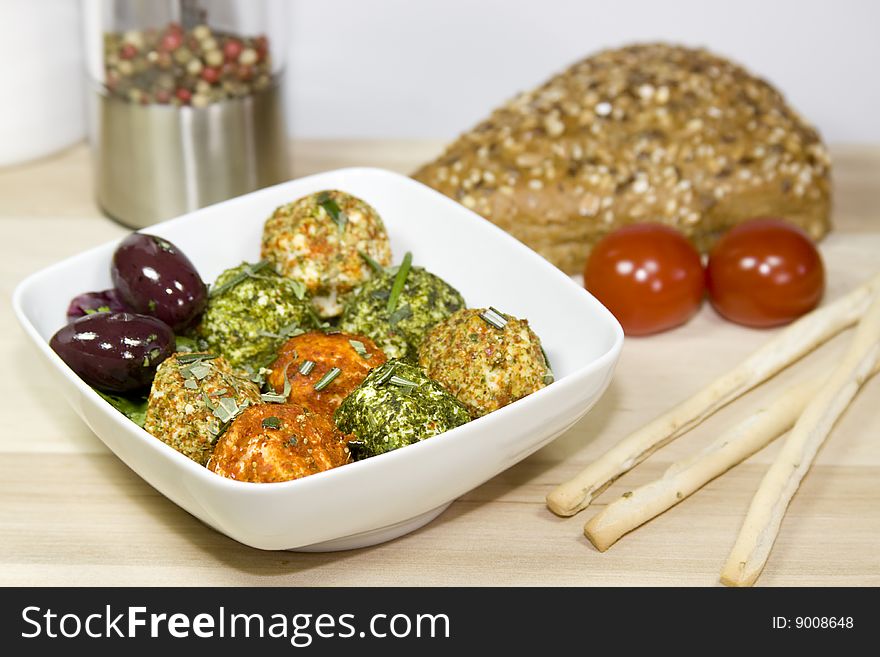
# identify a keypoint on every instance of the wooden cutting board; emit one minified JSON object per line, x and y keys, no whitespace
{"x":71,"y":513}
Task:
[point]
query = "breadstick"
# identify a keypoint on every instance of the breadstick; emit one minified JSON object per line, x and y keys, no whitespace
{"x":685,"y":477}
{"x":787,"y":346}
{"x":761,"y":525}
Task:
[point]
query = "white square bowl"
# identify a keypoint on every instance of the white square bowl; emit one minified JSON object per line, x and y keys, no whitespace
{"x":383,"y":497}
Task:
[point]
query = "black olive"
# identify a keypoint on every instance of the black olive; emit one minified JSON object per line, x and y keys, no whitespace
{"x":154,"y":277}
{"x":114,"y":352}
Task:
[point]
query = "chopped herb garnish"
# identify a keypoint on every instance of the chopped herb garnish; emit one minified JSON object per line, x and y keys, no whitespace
{"x":375,"y":266}
{"x":402,"y":313}
{"x":333,"y":210}
{"x":299,"y":289}
{"x":401,"y":382}
{"x":233,"y":380}
{"x":258,"y":377}
{"x":306,"y":368}
{"x":291,"y":330}
{"x":247,"y":271}
{"x":275,"y":397}
{"x":271,"y":422}
{"x":285,"y":332}
{"x":190,"y":367}
{"x":359,"y":347}
{"x":226,"y":409}
{"x":191,"y":384}
{"x":200,"y":370}
{"x":494,"y":318}
{"x":292,"y":441}
{"x":327,"y":379}
{"x":399,"y":282}
{"x":208,"y":404}
{"x":385,"y":376}
{"x":185,"y":359}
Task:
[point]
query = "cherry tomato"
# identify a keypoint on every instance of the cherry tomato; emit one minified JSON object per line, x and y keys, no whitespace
{"x":765,"y":272}
{"x":648,"y":275}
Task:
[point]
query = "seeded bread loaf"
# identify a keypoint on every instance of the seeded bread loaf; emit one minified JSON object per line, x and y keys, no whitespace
{"x":643,"y":133}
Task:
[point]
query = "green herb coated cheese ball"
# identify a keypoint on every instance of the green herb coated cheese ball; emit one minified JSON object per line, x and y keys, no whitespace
{"x":397,"y":405}
{"x":424,"y":300}
{"x":251,"y":312}
{"x":485,"y":359}
{"x":193,"y":396}
{"x":319,"y":239}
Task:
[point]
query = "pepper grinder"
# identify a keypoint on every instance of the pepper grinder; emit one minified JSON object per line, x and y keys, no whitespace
{"x":185,"y":103}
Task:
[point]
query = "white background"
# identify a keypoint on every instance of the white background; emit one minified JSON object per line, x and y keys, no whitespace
{"x":433,"y":68}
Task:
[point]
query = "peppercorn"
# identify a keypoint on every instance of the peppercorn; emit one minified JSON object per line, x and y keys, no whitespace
{"x":184,"y":67}
{"x":232,"y":49}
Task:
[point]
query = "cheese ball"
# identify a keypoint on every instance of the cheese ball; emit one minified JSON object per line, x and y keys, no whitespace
{"x":319,"y":240}
{"x":483,"y":366}
{"x":278,"y":442}
{"x":353,"y":355}
{"x":251,"y":312}
{"x":397,"y":405}
{"x":178,"y":410}
{"x":425,"y":300}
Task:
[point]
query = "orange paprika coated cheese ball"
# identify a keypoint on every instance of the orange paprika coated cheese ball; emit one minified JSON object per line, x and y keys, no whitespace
{"x":353,"y":355}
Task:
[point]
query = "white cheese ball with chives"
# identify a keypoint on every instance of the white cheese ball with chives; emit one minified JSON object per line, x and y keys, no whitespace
{"x":485,"y":359}
{"x":321,"y":240}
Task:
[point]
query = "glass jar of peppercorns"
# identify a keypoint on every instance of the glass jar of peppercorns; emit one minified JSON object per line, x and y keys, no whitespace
{"x":186,"y":103}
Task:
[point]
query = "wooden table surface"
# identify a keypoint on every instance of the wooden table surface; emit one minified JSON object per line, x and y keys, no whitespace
{"x":72,"y":514}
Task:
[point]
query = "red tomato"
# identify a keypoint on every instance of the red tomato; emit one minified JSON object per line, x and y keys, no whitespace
{"x":648,"y":275}
{"x":765,"y":272}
